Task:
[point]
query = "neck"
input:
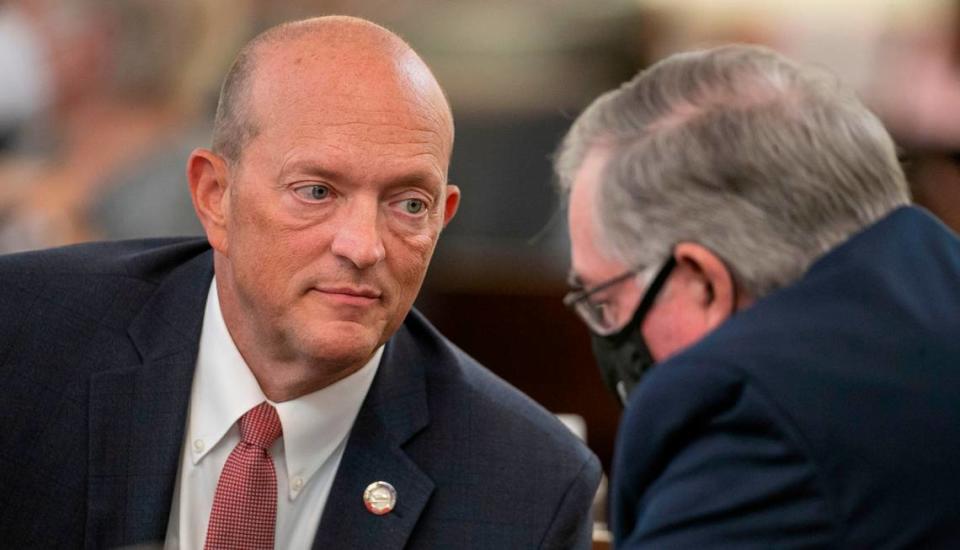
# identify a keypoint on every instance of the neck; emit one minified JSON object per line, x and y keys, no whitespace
{"x":283,"y":376}
{"x":287,"y":382}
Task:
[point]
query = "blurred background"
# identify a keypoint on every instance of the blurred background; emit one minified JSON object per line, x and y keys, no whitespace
{"x":101,"y":102}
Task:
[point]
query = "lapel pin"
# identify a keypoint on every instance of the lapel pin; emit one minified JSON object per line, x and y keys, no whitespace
{"x":380,"y":497}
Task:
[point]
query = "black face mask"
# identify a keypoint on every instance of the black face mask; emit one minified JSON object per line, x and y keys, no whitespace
{"x":623,"y":357}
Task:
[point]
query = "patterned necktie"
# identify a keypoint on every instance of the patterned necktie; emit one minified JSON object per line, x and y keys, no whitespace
{"x":244,"y":510}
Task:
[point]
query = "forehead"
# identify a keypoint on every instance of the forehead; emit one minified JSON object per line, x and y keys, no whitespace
{"x":373,"y":95}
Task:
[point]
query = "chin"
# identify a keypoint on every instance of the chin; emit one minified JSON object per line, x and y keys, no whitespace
{"x":344,"y":344}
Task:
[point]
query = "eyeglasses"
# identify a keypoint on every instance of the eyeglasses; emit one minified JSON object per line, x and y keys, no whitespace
{"x":603,"y":319}
{"x":599,"y":316}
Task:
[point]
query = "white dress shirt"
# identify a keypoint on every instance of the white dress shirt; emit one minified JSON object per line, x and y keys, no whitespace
{"x":306,"y":458}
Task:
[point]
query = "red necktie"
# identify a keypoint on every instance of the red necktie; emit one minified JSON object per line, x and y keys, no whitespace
{"x":244,"y":510}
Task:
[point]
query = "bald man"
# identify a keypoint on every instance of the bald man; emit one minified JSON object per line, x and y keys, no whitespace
{"x":269,"y":386}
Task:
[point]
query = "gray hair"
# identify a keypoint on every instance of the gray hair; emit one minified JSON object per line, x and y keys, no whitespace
{"x":767,"y":163}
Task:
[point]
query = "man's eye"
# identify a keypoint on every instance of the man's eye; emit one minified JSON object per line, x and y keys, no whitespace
{"x":314,"y":192}
{"x":414,"y":206}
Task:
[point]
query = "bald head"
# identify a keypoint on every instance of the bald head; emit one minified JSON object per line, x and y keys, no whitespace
{"x":337,"y":56}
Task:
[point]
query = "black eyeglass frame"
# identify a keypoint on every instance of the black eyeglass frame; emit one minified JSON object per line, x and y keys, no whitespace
{"x":571,"y":298}
{"x":575,"y":298}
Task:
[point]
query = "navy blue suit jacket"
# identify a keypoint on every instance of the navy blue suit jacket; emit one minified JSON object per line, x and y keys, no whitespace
{"x":98,"y":345}
{"x":825,"y":415}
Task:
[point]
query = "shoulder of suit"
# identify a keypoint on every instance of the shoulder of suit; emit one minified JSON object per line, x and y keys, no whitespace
{"x":145,"y":259}
{"x":831,"y":329}
{"x":512,"y":414}
{"x":65,"y":289}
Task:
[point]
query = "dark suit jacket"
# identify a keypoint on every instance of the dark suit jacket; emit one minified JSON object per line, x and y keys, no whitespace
{"x":98,"y":345}
{"x":826,"y":415}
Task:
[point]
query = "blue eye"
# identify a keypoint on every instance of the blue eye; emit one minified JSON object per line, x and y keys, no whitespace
{"x":314,"y":192}
{"x":414,"y":206}
{"x":319,"y":192}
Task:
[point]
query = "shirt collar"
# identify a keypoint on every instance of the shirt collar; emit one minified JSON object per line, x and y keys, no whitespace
{"x":314,"y":425}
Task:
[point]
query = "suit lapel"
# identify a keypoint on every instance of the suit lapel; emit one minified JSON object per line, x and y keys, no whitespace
{"x":138,"y":414}
{"x":395,"y":409}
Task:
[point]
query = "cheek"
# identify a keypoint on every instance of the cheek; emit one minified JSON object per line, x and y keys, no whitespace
{"x":270,"y":256}
{"x":409,"y":256}
{"x":668,"y":331}
{"x":420,"y":246}
{"x":262,"y":274}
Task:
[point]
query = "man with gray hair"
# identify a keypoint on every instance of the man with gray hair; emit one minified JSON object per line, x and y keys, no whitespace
{"x":742,"y":221}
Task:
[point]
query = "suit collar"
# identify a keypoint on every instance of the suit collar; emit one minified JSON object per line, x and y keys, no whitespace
{"x":138,"y":413}
{"x":394,"y":411}
{"x":918,"y":231}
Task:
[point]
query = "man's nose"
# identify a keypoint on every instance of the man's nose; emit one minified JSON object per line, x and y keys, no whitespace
{"x":357,"y":238}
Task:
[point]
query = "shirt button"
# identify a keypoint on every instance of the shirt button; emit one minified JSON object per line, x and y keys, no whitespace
{"x":297,"y":483}
{"x":198,"y":445}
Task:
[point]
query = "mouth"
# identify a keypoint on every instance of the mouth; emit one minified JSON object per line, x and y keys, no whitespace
{"x":350,"y":295}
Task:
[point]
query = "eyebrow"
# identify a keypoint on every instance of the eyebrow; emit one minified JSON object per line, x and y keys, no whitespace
{"x":311,"y":168}
{"x":417,"y":178}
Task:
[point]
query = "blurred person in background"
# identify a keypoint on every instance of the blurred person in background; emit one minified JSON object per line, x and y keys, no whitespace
{"x":25,"y":78}
{"x":780,"y":321}
{"x":119,"y":90}
{"x":916,"y":91}
{"x":270,"y":385}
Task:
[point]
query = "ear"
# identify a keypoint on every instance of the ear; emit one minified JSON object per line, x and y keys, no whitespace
{"x":208,"y":175}
{"x":451,"y":203}
{"x":709,"y":283}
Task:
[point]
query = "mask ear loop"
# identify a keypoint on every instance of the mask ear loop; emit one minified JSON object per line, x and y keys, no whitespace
{"x":646,"y":302}
{"x":619,"y":376}
{"x":621,"y":339}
